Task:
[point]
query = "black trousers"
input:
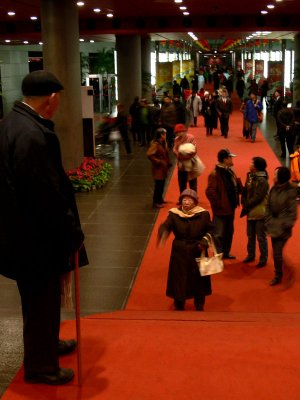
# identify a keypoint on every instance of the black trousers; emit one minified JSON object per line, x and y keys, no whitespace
{"x":183,"y":181}
{"x":224,"y":125}
{"x":224,"y":229}
{"x":277,"y":246}
{"x":41,"y":321}
{"x":159,"y":185}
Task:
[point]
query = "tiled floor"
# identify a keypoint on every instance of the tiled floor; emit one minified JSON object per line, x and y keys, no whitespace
{"x":117,"y":221}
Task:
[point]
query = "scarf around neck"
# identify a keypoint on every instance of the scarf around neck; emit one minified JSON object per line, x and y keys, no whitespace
{"x":187,"y":214}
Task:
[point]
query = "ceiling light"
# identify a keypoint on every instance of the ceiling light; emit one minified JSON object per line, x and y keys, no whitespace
{"x":96,"y":10}
{"x":80,"y":3}
{"x":278,"y":1}
{"x":7,"y":41}
{"x":186,"y":13}
{"x":25,"y":42}
{"x":92,"y":41}
{"x":33,"y":18}
{"x":270,"y":6}
{"x":41,"y":43}
{"x":11,"y":13}
{"x":110,"y":15}
{"x":178,"y":1}
{"x":264,"y":12}
{"x":183,"y":8}
{"x":81,"y":40}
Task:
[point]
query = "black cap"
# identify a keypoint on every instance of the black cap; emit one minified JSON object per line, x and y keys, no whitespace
{"x":225,"y":153}
{"x":40,"y":83}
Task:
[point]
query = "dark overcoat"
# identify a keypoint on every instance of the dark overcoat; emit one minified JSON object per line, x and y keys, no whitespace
{"x":184,"y":280}
{"x":39,"y":222}
{"x":158,"y":154}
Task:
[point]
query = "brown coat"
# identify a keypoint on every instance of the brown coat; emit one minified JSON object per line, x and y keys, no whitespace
{"x":158,"y":154}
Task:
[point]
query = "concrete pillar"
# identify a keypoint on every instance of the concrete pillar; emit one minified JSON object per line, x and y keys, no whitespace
{"x":296,"y":81}
{"x":146,"y":68}
{"x":61,"y":55}
{"x":129,"y":68}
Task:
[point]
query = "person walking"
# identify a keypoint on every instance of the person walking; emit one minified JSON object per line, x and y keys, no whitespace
{"x":190,"y":225}
{"x":223,"y":191}
{"x":224,"y":109}
{"x":193,"y":107}
{"x":254,"y":200}
{"x":285,"y":129}
{"x":252,"y":109}
{"x":182,"y":138}
{"x":281,"y":215}
{"x":39,"y":224}
{"x":158,"y":154}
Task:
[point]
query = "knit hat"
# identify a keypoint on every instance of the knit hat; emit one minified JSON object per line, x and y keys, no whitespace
{"x":190,"y":193}
{"x":40,"y":83}
{"x":179,"y":128}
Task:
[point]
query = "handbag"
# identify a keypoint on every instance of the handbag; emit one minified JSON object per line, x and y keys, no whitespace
{"x":210,"y":265}
{"x":260,"y":116}
{"x":197,"y":166}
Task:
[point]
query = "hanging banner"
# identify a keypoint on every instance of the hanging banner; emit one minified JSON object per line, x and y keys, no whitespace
{"x":248,"y":70}
{"x":276,"y":74}
{"x":176,"y":70}
{"x":164,"y":78}
{"x":259,"y":70}
{"x":188,"y":69}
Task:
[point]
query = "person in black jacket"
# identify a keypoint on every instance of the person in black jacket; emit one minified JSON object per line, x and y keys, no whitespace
{"x":39,"y":224}
{"x":281,"y":215}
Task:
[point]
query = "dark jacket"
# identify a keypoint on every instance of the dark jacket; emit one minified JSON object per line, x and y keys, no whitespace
{"x":39,"y":222}
{"x":224,"y":109}
{"x":222,"y":190}
{"x":255,"y":195}
{"x":184,"y":280}
{"x":281,"y":211}
{"x":158,"y":154}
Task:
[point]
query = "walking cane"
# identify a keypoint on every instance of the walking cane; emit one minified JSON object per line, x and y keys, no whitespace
{"x":77,"y":312}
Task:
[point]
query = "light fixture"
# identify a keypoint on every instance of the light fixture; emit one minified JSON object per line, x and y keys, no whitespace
{"x":80,"y":3}
{"x":33,"y":18}
{"x":183,"y":8}
{"x":25,"y":42}
{"x":264,"y":12}
{"x":41,"y":43}
{"x":81,"y":40}
{"x":270,"y":6}
{"x":7,"y":41}
{"x":110,"y":15}
{"x":97,"y":10}
{"x":178,"y":1}
{"x":186,"y":13}
{"x":11,"y":13}
{"x":92,"y":41}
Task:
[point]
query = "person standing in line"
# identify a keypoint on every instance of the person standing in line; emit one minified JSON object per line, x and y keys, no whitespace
{"x":224,"y":109}
{"x":191,"y":225}
{"x":281,"y":215}
{"x":193,"y":107}
{"x":158,"y":154}
{"x":39,"y":224}
{"x":254,"y":200}
{"x":183,"y":137}
{"x":223,"y":191}
{"x":252,"y":108}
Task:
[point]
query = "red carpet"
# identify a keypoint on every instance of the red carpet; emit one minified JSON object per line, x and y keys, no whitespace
{"x":245,"y":346}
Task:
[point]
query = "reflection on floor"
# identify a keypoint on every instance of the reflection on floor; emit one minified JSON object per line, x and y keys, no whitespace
{"x":117,"y":221}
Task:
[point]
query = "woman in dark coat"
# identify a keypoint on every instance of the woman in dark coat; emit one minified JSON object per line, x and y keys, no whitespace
{"x":190,"y":224}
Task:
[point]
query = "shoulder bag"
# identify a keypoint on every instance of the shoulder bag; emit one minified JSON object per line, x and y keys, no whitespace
{"x":210,"y":265}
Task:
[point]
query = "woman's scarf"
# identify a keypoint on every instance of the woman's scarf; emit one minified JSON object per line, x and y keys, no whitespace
{"x":187,"y":214}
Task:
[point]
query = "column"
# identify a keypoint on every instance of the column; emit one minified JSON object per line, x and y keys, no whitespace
{"x":296,"y":81}
{"x":129,"y":68}
{"x":146,"y":68}
{"x":60,"y":36}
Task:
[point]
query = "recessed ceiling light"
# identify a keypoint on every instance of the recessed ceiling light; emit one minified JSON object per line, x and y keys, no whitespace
{"x":92,"y":41}
{"x":11,"y":13}
{"x":183,"y":8}
{"x":186,"y":13}
{"x":80,"y":3}
{"x":97,"y":10}
{"x":81,"y":40}
{"x":41,"y":43}
{"x":25,"y":42}
{"x":264,"y":12}
{"x":270,"y":6}
{"x":178,"y":1}
{"x":33,"y":18}
{"x":7,"y":41}
{"x":110,"y":15}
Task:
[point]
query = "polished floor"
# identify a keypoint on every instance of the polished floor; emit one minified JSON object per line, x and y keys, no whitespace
{"x":117,"y":221}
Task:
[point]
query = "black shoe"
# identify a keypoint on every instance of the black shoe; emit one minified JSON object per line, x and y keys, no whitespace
{"x":275,"y":281}
{"x":229,"y":257}
{"x":179,"y":305}
{"x":63,"y":376}
{"x":199,"y":307}
{"x":261,"y":264}
{"x":248,"y":259}
{"x":66,"y":346}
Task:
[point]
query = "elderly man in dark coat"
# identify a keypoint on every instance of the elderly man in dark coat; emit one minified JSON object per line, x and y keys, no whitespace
{"x":39,"y":224}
